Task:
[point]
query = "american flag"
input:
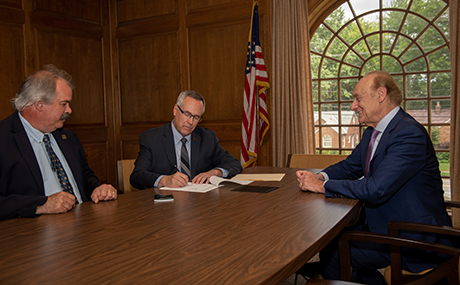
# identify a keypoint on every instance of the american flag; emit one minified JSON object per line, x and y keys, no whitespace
{"x":254,"y":105}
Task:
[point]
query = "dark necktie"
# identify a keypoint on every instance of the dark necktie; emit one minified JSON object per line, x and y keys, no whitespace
{"x":57,"y":167}
{"x":185,"y":165}
{"x":369,"y":150}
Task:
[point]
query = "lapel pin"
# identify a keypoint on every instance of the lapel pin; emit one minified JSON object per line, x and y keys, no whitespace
{"x":64,"y":137}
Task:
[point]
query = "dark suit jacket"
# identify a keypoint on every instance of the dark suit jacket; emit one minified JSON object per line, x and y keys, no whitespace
{"x":21,"y":182}
{"x":157,"y":155}
{"x":404,"y":182}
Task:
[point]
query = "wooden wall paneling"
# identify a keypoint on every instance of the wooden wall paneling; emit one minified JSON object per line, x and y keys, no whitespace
{"x":149,"y":67}
{"x":66,"y":25}
{"x":153,"y":26}
{"x":232,"y":148}
{"x":31,"y":63}
{"x":217,"y":62}
{"x":149,"y":83}
{"x":95,"y":154}
{"x":129,"y":134}
{"x":194,"y":5}
{"x":217,"y":54}
{"x":11,"y":3}
{"x":11,"y":12}
{"x":265,"y":150}
{"x":130,"y":149}
{"x":11,"y":57}
{"x":114,"y":78}
{"x":228,"y":132}
{"x":109,"y":94}
{"x":184,"y":47}
{"x":223,"y":14}
{"x":149,"y":78}
{"x":141,"y":9}
{"x":72,"y":38}
{"x":81,"y":58}
{"x":81,"y":9}
{"x":118,"y":51}
{"x":164,"y":48}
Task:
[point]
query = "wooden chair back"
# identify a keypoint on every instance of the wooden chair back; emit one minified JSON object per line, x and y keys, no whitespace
{"x":316,"y":161}
{"x":446,"y":271}
{"x":453,"y":208}
{"x":395,"y":228}
{"x":124,"y":168}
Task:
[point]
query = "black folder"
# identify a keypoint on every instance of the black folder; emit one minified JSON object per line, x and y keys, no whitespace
{"x":255,"y":189}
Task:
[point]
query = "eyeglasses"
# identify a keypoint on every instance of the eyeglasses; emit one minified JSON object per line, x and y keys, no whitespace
{"x":189,"y":115}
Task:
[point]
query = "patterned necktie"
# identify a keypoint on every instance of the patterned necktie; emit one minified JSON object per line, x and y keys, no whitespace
{"x":369,"y":150}
{"x":57,"y":167}
{"x":185,"y":166}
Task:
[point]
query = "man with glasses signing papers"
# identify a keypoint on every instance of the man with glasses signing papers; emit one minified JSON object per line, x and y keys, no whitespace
{"x":182,"y":151}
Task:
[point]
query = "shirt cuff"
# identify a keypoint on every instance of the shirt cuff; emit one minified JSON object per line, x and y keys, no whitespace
{"x":225,"y":172}
{"x":326,"y":177}
{"x":157,"y":181}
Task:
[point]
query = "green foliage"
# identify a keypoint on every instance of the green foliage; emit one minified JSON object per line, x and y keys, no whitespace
{"x":362,"y":50}
{"x":333,"y":152}
{"x":443,"y":157}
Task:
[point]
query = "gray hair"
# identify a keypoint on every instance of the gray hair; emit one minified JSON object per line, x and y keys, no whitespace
{"x":40,"y":86}
{"x":190,"y":93}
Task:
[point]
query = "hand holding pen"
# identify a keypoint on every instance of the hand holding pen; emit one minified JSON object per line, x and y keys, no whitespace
{"x":175,"y":180}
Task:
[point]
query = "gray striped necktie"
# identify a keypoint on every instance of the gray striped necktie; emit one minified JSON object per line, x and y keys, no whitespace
{"x":185,"y":165}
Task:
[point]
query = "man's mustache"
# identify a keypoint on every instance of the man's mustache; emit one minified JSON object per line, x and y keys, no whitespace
{"x":65,"y":116}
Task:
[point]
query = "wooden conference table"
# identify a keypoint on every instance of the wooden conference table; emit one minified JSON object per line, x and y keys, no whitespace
{"x":220,"y":237}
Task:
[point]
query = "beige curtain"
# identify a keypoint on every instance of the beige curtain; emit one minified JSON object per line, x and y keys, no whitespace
{"x":292,"y":111}
{"x":455,"y":106}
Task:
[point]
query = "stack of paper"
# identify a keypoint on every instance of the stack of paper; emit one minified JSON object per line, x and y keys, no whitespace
{"x":260,"y":177}
{"x":214,"y":182}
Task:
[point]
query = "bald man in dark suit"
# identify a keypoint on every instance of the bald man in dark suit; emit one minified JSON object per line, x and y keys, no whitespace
{"x":397,"y":176}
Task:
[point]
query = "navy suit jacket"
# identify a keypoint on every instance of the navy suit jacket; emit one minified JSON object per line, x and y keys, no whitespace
{"x":404,"y":182}
{"x":21,"y":183}
{"x":157,"y":155}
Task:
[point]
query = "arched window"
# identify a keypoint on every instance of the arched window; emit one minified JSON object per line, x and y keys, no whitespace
{"x":407,"y":38}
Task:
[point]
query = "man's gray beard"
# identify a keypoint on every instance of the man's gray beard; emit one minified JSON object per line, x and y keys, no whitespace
{"x":65,"y":116}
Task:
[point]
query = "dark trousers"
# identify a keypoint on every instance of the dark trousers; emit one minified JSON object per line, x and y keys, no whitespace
{"x":366,"y":258}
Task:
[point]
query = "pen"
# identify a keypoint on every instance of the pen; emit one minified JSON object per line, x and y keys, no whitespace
{"x":177,"y":169}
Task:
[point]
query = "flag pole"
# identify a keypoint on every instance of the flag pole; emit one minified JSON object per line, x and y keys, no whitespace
{"x":255,"y":2}
{"x":258,"y":142}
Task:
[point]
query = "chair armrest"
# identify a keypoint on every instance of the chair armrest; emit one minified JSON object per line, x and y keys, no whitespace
{"x":394,"y":227}
{"x":452,"y":204}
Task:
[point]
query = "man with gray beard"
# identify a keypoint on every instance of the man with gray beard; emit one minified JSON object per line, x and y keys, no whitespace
{"x":43,"y":167}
